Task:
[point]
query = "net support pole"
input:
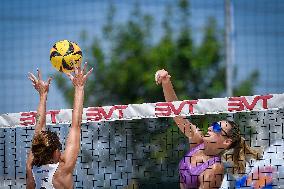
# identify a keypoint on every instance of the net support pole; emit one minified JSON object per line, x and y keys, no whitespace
{"x":229,"y":54}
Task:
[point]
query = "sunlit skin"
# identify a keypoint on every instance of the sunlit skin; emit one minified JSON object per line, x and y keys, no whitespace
{"x":214,"y":143}
{"x":63,"y":177}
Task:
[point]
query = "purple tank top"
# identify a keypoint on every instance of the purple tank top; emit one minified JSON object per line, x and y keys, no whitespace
{"x":188,"y":173}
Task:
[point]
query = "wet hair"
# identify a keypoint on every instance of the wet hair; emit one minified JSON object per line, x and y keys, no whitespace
{"x":43,"y":146}
{"x":241,"y":151}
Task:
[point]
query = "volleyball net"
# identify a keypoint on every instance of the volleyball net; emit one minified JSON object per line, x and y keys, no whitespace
{"x":139,"y":146}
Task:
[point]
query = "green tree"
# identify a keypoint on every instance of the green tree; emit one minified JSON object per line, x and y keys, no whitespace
{"x":125,"y":62}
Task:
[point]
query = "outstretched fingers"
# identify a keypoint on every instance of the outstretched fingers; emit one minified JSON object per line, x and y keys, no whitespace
{"x":77,"y":68}
{"x":70,"y":76}
{"x":88,"y":73}
{"x":85,"y":67}
{"x":49,"y":80}
{"x":32,"y":77}
{"x":39,"y":74}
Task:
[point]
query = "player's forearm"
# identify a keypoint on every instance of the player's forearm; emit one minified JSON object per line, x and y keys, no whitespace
{"x":72,"y":149}
{"x":78,"y":107}
{"x":41,"y":113}
{"x":73,"y":140}
{"x":168,"y":90}
{"x":184,"y":125}
{"x":30,"y":181}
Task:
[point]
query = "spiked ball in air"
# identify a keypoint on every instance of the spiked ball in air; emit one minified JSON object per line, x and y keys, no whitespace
{"x":65,"y":55}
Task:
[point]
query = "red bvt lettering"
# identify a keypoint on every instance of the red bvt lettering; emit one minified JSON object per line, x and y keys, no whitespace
{"x":241,"y":103}
{"x":53,"y":114}
{"x":167,"y":108}
{"x":98,"y":113}
{"x":29,"y":118}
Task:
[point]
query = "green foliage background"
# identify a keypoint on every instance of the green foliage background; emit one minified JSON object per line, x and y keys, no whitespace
{"x":125,"y":62}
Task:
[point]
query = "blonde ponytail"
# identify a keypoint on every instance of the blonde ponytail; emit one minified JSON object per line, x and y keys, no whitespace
{"x":241,"y":152}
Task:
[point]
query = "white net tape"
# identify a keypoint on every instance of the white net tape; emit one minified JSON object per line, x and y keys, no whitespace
{"x":151,"y":110}
{"x":127,"y":146}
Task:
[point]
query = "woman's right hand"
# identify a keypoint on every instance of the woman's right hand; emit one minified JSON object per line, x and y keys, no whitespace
{"x":162,"y":76}
{"x":79,"y":78}
{"x":41,"y":86}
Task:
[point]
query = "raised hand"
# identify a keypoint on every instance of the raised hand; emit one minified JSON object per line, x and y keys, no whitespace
{"x":79,"y":79}
{"x":161,"y":76}
{"x":41,"y":86}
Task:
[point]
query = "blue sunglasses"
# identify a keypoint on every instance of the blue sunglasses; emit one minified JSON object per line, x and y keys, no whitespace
{"x":217,"y":128}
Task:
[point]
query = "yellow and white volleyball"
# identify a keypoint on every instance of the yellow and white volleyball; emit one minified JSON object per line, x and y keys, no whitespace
{"x":65,"y":55}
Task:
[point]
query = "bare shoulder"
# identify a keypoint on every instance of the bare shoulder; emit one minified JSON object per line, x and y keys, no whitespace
{"x":62,"y":178}
{"x":61,"y":167}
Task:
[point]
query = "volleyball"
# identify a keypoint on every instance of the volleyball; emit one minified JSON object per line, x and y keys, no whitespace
{"x":65,"y":55}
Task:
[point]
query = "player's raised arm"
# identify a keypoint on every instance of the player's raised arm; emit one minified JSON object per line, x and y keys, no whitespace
{"x":190,"y":130}
{"x":73,"y":140}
